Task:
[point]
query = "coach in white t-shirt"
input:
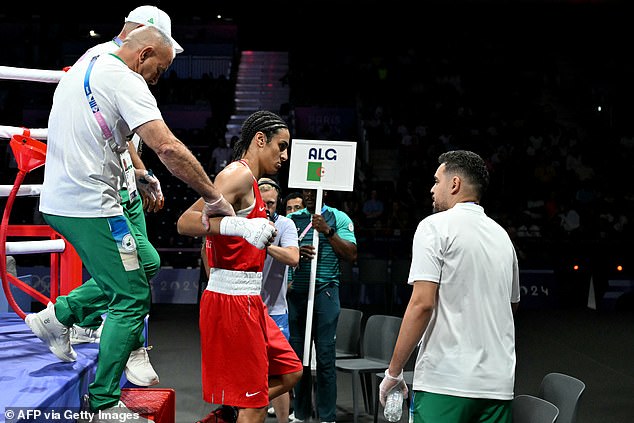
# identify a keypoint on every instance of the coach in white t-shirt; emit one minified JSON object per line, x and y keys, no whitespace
{"x":138,"y":370}
{"x":97,"y":107}
{"x":465,"y":280}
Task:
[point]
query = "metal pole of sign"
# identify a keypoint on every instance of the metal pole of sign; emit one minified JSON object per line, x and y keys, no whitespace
{"x":311,"y":285}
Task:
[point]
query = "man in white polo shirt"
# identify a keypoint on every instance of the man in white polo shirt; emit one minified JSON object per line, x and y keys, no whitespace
{"x":465,"y":280}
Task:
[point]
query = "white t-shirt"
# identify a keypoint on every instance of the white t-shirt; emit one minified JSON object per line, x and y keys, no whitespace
{"x":468,"y":349}
{"x":275,"y":273}
{"x":104,"y":48}
{"x":83,"y":173}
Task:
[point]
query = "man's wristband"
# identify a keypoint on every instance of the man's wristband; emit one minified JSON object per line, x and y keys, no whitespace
{"x":331,"y":232}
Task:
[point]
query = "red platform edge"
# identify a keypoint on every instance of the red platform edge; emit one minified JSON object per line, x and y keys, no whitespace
{"x":158,"y":405}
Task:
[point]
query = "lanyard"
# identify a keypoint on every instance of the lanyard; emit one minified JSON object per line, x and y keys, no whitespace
{"x":310,"y":225}
{"x":306,"y":229}
{"x":92,"y":102}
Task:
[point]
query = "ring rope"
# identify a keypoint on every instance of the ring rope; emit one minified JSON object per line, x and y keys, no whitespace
{"x":36,"y":247}
{"x":26,"y":190}
{"x":34,"y":75}
{"x":10,"y":131}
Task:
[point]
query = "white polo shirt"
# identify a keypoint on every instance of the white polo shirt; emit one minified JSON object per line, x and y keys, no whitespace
{"x":468,"y":349}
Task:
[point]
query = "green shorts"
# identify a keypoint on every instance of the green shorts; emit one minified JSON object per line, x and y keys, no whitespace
{"x":438,"y":408}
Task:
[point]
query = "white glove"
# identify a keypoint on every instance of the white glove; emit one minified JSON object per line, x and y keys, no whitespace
{"x":390,"y":383}
{"x":220,"y":207}
{"x":258,"y":232}
{"x":150,"y":189}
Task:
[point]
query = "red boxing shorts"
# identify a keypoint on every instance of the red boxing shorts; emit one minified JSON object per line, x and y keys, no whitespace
{"x":240,"y":347}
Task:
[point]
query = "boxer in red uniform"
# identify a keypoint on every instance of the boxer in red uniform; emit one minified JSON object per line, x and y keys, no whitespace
{"x":246,"y":360}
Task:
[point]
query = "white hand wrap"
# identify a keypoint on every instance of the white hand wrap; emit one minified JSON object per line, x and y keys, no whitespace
{"x":390,"y":383}
{"x":258,"y":232}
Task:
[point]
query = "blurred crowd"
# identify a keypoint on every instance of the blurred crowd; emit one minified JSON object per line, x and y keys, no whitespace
{"x":552,"y":119}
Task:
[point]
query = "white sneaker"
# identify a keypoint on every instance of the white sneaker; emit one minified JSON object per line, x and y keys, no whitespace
{"x":81,"y":335}
{"x":292,"y":419}
{"x":52,"y":332}
{"x":271,"y":412}
{"x":139,"y":370}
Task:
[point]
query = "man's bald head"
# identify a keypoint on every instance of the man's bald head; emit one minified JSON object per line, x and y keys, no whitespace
{"x":148,"y":36}
{"x":147,"y":51}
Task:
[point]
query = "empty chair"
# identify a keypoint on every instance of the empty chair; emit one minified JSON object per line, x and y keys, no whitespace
{"x":348,"y":342}
{"x":565,"y":392}
{"x":531,"y":409}
{"x":378,"y":341}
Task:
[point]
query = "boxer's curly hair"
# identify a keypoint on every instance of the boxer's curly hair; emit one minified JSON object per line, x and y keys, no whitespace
{"x":261,"y":121}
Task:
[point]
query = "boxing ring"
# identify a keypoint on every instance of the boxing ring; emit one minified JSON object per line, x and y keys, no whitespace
{"x":32,"y":379}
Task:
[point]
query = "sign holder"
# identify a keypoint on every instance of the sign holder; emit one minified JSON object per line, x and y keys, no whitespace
{"x":319,"y":165}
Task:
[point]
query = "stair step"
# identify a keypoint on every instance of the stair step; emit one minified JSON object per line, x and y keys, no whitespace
{"x":258,"y":85}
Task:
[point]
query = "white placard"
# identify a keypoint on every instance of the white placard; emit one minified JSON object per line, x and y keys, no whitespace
{"x":322,"y":164}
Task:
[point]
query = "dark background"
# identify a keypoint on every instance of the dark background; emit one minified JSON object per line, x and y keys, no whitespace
{"x":525,"y":67}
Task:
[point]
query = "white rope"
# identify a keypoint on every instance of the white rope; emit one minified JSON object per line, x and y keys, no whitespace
{"x":32,"y":247}
{"x":35,"y":75}
{"x":10,"y":131}
{"x":23,"y":191}
{"x":26,"y":74}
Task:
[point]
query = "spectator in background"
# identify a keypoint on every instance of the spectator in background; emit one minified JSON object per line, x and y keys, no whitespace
{"x":281,"y":254}
{"x":221,"y":154}
{"x":293,"y":202}
{"x":570,"y":220}
{"x":373,"y":209}
{"x":398,"y":220}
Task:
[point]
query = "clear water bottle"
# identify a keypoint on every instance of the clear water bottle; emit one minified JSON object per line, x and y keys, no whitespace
{"x":394,"y":406}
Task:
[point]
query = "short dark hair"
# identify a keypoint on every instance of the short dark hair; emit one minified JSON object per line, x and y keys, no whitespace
{"x":470,"y":165}
{"x":290,"y":196}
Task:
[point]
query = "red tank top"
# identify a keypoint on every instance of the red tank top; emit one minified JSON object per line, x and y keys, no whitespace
{"x":234,"y":252}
